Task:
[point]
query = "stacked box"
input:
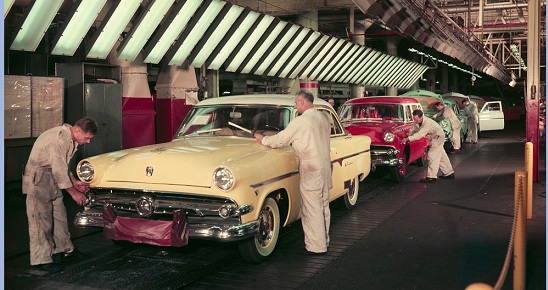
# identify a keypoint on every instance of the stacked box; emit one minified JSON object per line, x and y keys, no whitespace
{"x":17,"y":110}
{"x":47,"y":104}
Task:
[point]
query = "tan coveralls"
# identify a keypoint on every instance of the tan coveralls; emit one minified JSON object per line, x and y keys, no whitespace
{"x":448,"y":113}
{"x":309,"y":135}
{"x":46,"y":173}
{"x":471,"y":112}
{"x":437,"y":157}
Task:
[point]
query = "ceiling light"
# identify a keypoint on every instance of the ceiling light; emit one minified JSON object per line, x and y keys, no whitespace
{"x":110,"y":31}
{"x":143,"y":29}
{"x":76,"y":26}
{"x":233,"y":41}
{"x":206,"y":50}
{"x":179,"y":17}
{"x":35,"y":25}
{"x":195,"y":34}
{"x":7,"y":7}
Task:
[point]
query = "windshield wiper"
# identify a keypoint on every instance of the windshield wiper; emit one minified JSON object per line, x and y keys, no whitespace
{"x":208,"y":131}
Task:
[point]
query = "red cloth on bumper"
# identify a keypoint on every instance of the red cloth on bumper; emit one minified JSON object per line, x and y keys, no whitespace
{"x":154,"y":232}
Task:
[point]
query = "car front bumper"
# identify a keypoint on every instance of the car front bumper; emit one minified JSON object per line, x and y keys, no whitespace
{"x":213,"y":218}
{"x":385,"y":156}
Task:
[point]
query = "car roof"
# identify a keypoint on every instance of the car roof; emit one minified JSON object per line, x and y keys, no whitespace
{"x":454,"y":94}
{"x":259,"y":99}
{"x":383,"y":99}
{"x":422,"y":93}
{"x":447,"y":101}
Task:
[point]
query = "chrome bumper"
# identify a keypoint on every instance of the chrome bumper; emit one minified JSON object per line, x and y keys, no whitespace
{"x":385,"y":156}
{"x":209,"y":217}
{"x":227,"y":233}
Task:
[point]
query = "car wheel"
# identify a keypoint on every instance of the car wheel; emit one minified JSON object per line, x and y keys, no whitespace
{"x":259,"y":247}
{"x":350,"y":198}
{"x":397,"y":173}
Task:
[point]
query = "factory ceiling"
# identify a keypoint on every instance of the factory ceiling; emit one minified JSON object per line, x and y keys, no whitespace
{"x":262,"y":37}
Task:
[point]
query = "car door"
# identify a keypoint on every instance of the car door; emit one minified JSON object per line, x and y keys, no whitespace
{"x":347,"y":158}
{"x":491,"y":116}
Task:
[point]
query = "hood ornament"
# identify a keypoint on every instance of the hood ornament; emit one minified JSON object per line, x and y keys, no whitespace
{"x":149,"y":170}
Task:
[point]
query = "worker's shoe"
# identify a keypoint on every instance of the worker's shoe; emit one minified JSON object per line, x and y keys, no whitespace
{"x":305,"y":252}
{"x":68,"y":256}
{"x":456,"y":151}
{"x":51,"y":268}
{"x":448,"y":176}
{"x":428,"y":180}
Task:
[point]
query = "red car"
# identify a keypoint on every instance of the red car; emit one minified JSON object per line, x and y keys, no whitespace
{"x":386,"y":120}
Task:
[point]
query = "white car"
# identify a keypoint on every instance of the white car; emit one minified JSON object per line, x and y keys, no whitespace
{"x":491,"y":115}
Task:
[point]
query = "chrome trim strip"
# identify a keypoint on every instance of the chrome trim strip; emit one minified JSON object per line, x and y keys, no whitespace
{"x":94,"y":218}
{"x":274,"y":179}
{"x":287,"y":175}
{"x":339,"y":160}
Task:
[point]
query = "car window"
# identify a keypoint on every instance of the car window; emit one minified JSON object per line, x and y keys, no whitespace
{"x":336,"y":127}
{"x":493,"y":107}
{"x":230,"y":120}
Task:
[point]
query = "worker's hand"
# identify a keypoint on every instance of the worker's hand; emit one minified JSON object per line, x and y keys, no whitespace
{"x":258,"y":137}
{"x":79,"y":197}
{"x":404,"y":140}
{"x":81,"y":186}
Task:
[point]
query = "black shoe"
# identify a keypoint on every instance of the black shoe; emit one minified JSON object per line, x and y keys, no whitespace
{"x":51,"y":268}
{"x":68,"y":256}
{"x":306,"y":252}
{"x":428,"y":180}
{"x":449,"y":176}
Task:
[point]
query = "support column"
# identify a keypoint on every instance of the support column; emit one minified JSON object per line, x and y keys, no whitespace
{"x":532,"y":90}
{"x":177,"y":92}
{"x":444,"y":82}
{"x":431,"y":80}
{"x":138,"y":111}
{"x":416,"y":85}
{"x":392,"y":49}
{"x":358,"y":37}
{"x":309,"y":20}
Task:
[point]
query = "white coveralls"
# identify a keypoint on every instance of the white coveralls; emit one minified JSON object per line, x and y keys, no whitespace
{"x":471,"y":112}
{"x":437,"y":157}
{"x":448,"y":113}
{"x":46,"y":173}
{"x":309,"y":135}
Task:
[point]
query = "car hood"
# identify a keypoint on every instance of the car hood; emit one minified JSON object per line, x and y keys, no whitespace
{"x":185,"y":162}
{"x":373,"y":129}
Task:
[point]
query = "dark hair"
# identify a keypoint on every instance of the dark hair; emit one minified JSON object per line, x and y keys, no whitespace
{"x":439,"y":104}
{"x":465,"y":100}
{"x":87,"y":124}
{"x":417,"y":113}
{"x":307,"y":95}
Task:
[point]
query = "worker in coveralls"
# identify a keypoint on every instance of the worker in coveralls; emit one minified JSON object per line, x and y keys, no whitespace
{"x":447,"y":113}
{"x":45,"y":174}
{"x":437,"y":158}
{"x":309,"y":135}
{"x":471,"y":112}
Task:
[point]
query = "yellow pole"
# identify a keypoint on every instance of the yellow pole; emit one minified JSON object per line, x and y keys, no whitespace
{"x":529,"y":169}
{"x":520,"y":240}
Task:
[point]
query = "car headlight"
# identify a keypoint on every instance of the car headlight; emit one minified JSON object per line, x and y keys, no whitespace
{"x":444,"y":123}
{"x":85,"y":171}
{"x":388,"y":137}
{"x":223,"y":178}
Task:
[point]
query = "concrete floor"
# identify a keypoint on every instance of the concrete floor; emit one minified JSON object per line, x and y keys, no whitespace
{"x":446,"y":235}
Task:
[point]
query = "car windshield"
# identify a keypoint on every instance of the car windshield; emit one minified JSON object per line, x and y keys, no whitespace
{"x":392,"y":112}
{"x":233,"y":120}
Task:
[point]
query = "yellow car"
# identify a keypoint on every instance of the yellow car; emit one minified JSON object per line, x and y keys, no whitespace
{"x":213,"y":180}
